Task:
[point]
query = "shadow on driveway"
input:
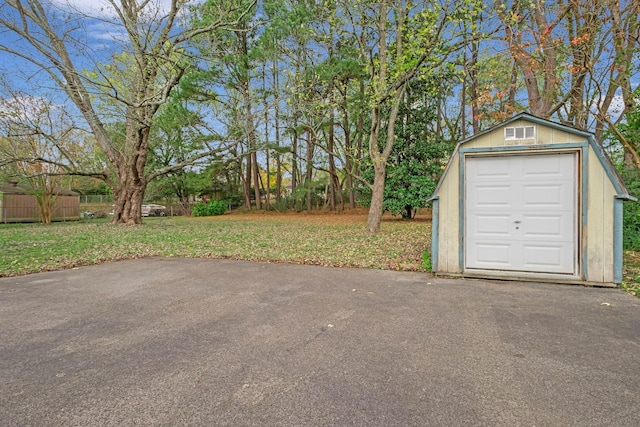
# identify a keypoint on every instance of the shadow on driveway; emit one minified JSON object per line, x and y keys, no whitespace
{"x":207,"y":342}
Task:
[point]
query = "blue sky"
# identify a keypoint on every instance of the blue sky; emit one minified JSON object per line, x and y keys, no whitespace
{"x":98,"y":30}
{"x":98,"y":34}
{"x":101,"y":36}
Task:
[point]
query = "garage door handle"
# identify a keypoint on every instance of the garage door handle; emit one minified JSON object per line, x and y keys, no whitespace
{"x":517,"y":222}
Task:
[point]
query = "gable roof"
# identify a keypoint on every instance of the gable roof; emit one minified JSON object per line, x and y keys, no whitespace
{"x":604,"y":159}
{"x":14,"y":189}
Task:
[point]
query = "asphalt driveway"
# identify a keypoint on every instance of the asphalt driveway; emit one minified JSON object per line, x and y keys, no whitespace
{"x":168,"y":342}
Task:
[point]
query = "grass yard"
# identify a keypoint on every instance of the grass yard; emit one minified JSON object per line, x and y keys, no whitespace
{"x":631,"y":281}
{"x":322,"y":239}
{"x":337,"y":240}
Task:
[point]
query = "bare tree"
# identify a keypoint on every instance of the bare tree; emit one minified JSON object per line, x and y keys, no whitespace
{"x":36,"y":140}
{"x":577,"y":58}
{"x":54,"y":41}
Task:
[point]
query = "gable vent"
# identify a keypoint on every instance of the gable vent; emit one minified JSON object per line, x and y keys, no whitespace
{"x":521,"y":132}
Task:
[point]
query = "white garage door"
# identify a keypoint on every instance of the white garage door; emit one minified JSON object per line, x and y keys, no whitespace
{"x":520,"y":213}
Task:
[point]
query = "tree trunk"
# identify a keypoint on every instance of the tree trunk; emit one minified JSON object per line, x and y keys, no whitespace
{"x":45,"y":201}
{"x":185,"y":202}
{"x":377,"y":197}
{"x":409,"y":212}
{"x":475,"y":108}
{"x":256,"y":179}
{"x":360,"y":128}
{"x":309,"y":171}
{"x":278,"y":162}
{"x":348,"y":151}
{"x":246,"y":183}
{"x":267,"y":199}
{"x":583,"y":23}
{"x":132,"y":183}
{"x":276,"y":116}
{"x":249,"y":131}
{"x":127,"y":200}
{"x":294,"y":158}
{"x":463,"y":100}
{"x":43,"y":191}
{"x":379,"y":157}
{"x":513,"y":85}
{"x":333,"y":176}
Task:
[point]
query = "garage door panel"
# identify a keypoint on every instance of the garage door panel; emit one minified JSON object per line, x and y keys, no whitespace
{"x":547,"y":195}
{"x":492,"y":255}
{"x":493,"y":168}
{"x":556,"y":227}
{"x":544,"y":167}
{"x":520,"y":213}
{"x":550,"y":258}
{"x":492,"y":196}
{"x":491,"y":225}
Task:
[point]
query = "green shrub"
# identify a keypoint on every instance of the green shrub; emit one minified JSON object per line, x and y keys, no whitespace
{"x":631,"y":215}
{"x":213,"y":207}
{"x":199,"y":209}
{"x":426,"y":261}
{"x":631,"y":229}
{"x":281,"y":206}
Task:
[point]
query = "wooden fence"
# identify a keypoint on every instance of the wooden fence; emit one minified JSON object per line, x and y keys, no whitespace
{"x":24,"y":208}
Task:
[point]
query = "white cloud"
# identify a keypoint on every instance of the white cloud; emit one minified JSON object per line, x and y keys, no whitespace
{"x":617,"y":106}
{"x":86,"y":7}
{"x":103,"y":24}
{"x":23,"y":108}
{"x":106,"y":31}
{"x":102,"y":8}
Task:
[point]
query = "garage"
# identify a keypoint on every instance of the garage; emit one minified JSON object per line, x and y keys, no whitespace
{"x":530,"y":199}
